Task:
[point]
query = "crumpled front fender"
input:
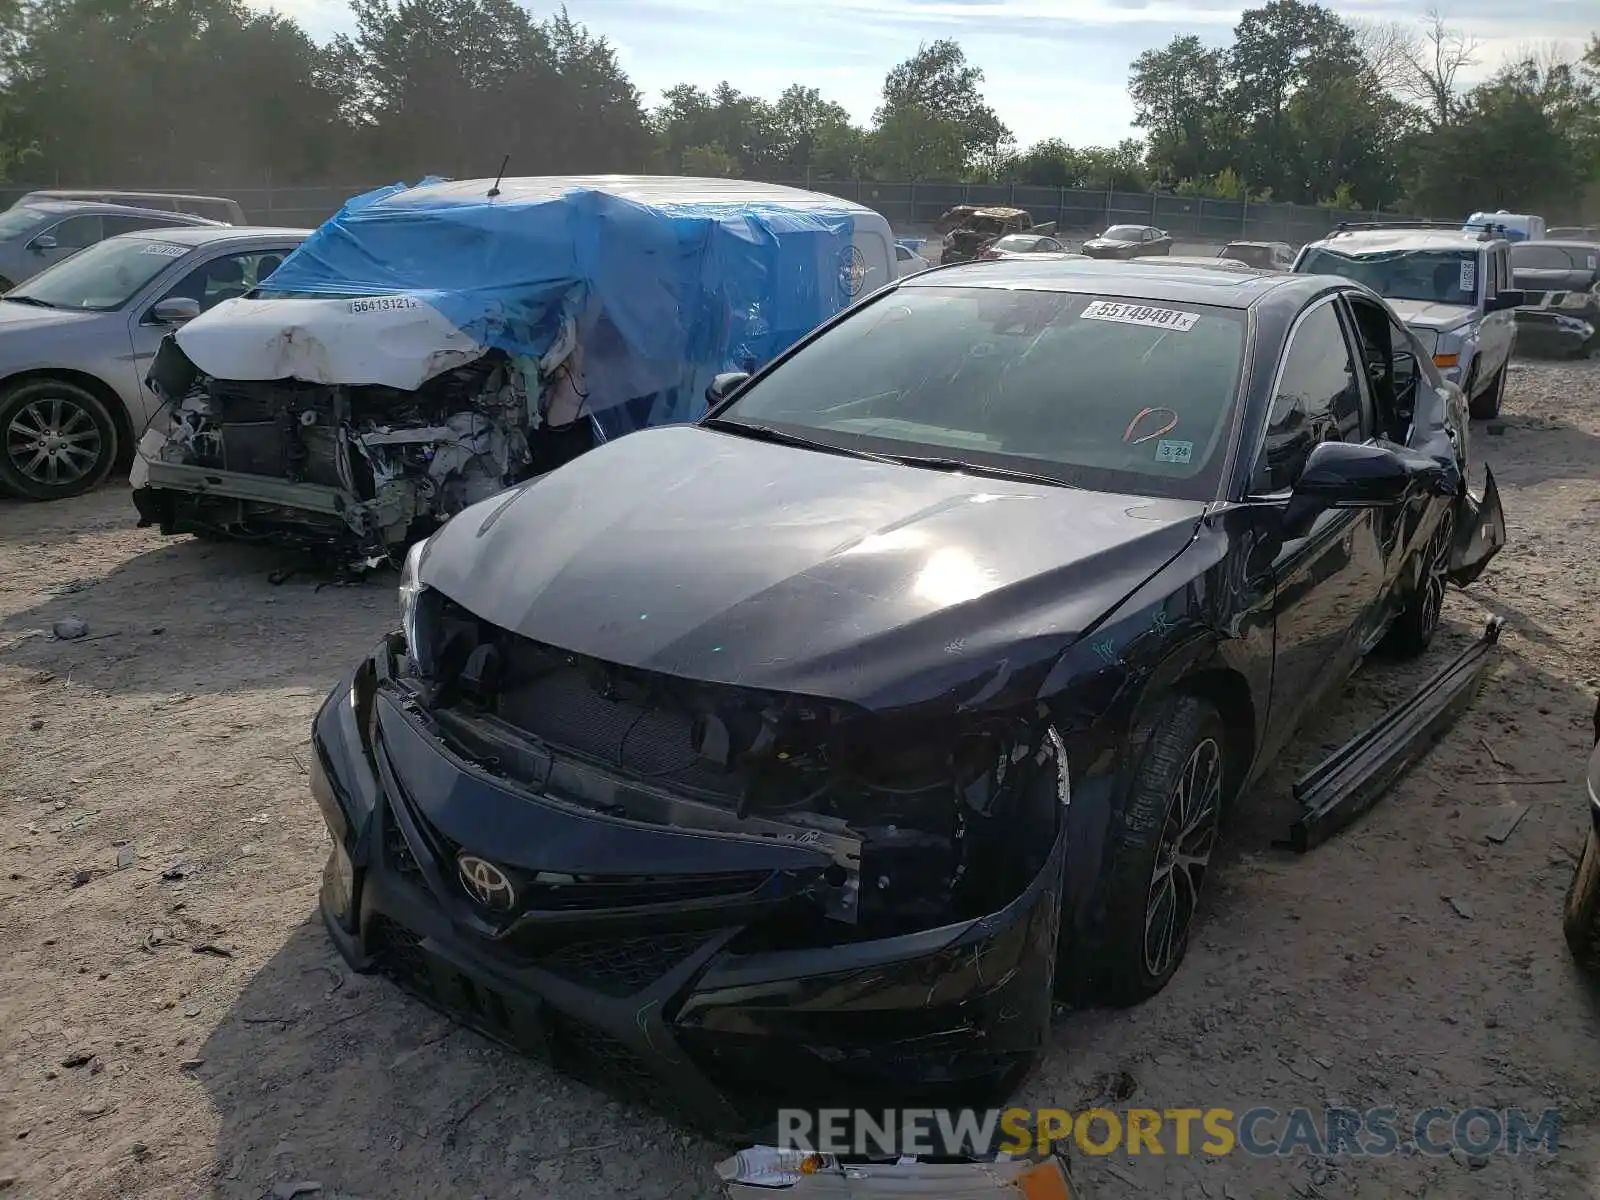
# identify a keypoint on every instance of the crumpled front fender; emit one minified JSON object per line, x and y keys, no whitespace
{"x":1480,"y":532}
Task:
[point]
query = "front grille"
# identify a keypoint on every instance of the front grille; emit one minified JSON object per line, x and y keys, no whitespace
{"x":591,"y":1054}
{"x":579,"y":1048}
{"x":622,"y":966}
{"x":397,"y":850}
{"x":398,"y":953}
{"x":625,"y":891}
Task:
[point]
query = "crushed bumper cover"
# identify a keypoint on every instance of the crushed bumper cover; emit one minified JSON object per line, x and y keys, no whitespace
{"x":637,"y":982}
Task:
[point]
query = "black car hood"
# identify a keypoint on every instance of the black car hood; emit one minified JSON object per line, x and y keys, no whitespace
{"x":707,"y":555}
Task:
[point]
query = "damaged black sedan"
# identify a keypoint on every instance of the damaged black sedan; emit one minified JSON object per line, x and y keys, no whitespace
{"x":805,"y":754}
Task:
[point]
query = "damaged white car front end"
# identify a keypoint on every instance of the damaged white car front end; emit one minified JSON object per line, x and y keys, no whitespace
{"x":351,"y":425}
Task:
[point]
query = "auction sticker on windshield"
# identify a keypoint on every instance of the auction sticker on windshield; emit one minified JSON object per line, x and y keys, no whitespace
{"x":1174,"y":451}
{"x":1469,"y":275}
{"x":165,"y":249}
{"x":1141,"y":314}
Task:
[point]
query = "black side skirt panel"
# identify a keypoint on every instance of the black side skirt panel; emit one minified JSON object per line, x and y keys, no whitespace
{"x":1354,"y":777}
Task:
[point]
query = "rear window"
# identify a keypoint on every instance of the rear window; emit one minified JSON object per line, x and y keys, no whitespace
{"x":1125,"y":233}
{"x":1093,"y":391}
{"x":19,"y":220}
{"x":1534,"y":257}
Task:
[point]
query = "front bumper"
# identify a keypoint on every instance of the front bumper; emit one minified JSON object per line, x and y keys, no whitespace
{"x":1550,"y":333}
{"x":659,"y":1000}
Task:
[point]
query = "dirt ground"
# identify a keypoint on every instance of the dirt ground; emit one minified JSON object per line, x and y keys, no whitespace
{"x":224,"y":1051}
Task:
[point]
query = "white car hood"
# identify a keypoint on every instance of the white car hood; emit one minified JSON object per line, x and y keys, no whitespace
{"x":396,"y":341}
{"x":1432,"y":315}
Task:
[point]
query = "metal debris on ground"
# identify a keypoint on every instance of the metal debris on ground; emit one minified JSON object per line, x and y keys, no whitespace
{"x":761,"y":1171}
{"x":1508,"y":822}
{"x":1498,"y":761}
{"x":1463,"y":909}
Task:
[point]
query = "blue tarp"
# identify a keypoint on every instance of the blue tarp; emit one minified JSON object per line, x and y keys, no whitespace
{"x":661,"y":296}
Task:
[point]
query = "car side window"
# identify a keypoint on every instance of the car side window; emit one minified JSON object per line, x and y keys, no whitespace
{"x":1491,"y":274}
{"x":1318,"y":399}
{"x":225,"y":277}
{"x":75,"y":232}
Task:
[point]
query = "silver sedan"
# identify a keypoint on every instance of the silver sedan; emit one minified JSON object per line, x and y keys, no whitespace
{"x":76,"y":341}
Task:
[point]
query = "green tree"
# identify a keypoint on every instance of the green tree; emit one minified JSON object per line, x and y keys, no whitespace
{"x":933,"y":122}
{"x":169,"y":92}
{"x":453,"y":86}
{"x":1513,"y":145}
{"x":1178,"y":100}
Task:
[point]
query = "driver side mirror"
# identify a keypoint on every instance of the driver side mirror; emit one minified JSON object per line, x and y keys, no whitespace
{"x":43,"y":243}
{"x":175,"y":310}
{"x":724,"y":385}
{"x":1508,"y":298}
{"x":1355,"y":475}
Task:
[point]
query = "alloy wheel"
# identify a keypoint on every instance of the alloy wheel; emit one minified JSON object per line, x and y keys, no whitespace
{"x":53,"y":441}
{"x":1188,"y":837}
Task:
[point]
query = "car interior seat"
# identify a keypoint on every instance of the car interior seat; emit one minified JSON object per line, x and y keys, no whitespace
{"x":224,"y":281}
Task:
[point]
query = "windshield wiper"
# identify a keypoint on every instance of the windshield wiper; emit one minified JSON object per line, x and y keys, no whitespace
{"x":34,"y":300}
{"x":766,"y":433}
{"x":957,"y":464}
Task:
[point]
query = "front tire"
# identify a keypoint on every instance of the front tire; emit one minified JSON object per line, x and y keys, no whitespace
{"x":1486,"y":406}
{"x":1580,"y":915}
{"x":56,"y":440}
{"x":1161,"y":846}
{"x":1413,"y":630}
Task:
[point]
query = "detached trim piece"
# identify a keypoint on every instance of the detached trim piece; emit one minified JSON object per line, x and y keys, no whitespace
{"x":1354,"y":777}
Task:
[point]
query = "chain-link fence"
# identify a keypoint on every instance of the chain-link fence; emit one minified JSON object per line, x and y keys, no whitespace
{"x":906,"y":204}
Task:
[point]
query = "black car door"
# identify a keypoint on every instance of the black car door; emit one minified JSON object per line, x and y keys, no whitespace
{"x":1324,"y":582}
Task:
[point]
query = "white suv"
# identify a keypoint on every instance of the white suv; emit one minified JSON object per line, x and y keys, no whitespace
{"x":1451,"y":288}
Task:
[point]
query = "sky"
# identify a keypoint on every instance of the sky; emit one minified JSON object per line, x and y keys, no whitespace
{"x":1053,"y":68}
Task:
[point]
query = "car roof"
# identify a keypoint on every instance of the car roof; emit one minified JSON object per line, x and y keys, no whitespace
{"x":94,"y":193}
{"x":1145,"y":281}
{"x":59,"y":207}
{"x":1252,"y":242}
{"x":1231,"y":265}
{"x":1561,"y":243}
{"x":641,"y":189}
{"x":992,"y":211}
{"x":206,"y":235}
{"x":1376,"y":241}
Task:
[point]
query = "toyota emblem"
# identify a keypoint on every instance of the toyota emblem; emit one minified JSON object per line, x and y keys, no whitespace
{"x":486,"y":883}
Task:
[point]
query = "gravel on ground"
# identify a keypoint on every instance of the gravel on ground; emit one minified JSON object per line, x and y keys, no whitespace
{"x":174,"y":1023}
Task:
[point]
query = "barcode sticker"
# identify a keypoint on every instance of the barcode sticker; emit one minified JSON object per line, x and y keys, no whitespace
{"x":1469,"y":275}
{"x":1141,"y":314}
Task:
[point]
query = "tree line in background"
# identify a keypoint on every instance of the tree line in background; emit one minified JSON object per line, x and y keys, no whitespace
{"x":1301,"y":106}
